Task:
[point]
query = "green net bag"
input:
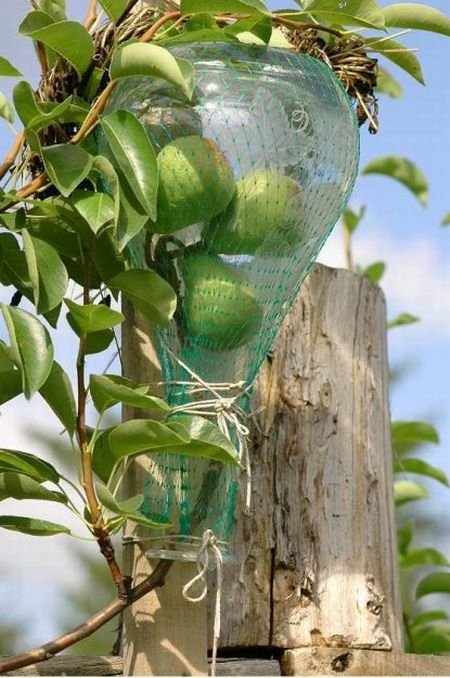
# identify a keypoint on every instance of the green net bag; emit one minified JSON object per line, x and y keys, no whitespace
{"x":254,"y":173}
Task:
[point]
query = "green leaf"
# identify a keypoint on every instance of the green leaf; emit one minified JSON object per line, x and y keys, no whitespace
{"x":197,"y":22}
{"x":422,"y":557}
{"x":114,"y":8}
{"x":279,"y":40}
{"x":258,"y":26}
{"x":35,"y":116}
{"x":223,"y":6}
{"x":108,"y":500}
{"x":433,"y":640}
{"x":137,"y":58}
{"x":108,"y":260}
{"x":406,"y":490}
{"x":148,"y":292}
{"x":436,"y":582}
{"x":97,"y":209}
{"x":67,"y":166}
{"x":134,"y":154}
{"x":17,"y":486}
{"x":405,"y":535}
{"x":32,"y":526}
{"x":58,"y":393}
{"x":202,"y":35}
{"x":422,"y":468}
{"x":374,"y":272}
{"x":6,"y":110}
{"x":352,"y":219}
{"x":93,"y":317}
{"x":109,"y":389}
{"x":10,"y":385}
{"x":54,"y":8}
{"x":426,"y":617}
{"x":96,"y":342}
{"x":416,"y":16}
{"x":402,"y":170}
{"x":141,"y":519}
{"x":132,"y":218}
{"x":8,"y":70}
{"x":387,"y":84}
{"x":446,"y":220}
{"x":207,"y":440}
{"x":33,"y":350}
{"x":131,"y":438}
{"x":403,"y":319}
{"x":399,"y":54}
{"x":353,"y":13}
{"x":106,"y":170}
{"x":69,"y":39}
{"x":47,"y":273}
{"x":407,"y":433}
{"x":29,"y":465}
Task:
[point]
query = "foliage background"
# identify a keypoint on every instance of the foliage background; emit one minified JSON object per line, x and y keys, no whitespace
{"x":38,"y":578}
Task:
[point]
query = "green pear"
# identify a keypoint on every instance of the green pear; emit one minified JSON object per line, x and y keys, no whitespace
{"x":267,"y":209}
{"x":195,"y":183}
{"x":221,"y":310}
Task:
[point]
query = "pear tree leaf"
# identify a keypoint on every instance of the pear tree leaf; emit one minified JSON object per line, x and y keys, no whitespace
{"x":32,"y":347}
{"x":399,"y":54}
{"x":97,"y":209}
{"x":406,"y":433}
{"x":58,"y":393}
{"x":93,"y":317}
{"x":109,"y":389}
{"x":403,"y":171}
{"x":387,"y":84}
{"x":403,"y":319}
{"x":8,"y":70}
{"x":32,"y":526}
{"x":29,"y":465}
{"x":138,"y":58}
{"x":435,"y":582}
{"x":67,"y":166}
{"x":365,"y":13}
{"x":424,"y":557}
{"x":6,"y":110}
{"x":114,"y":8}
{"x":406,"y":490}
{"x":148,"y":292}
{"x":416,"y":16}
{"x":17,"y":486}
{"x":223,"y":6}
{"x":125,"y":507}
{"x":374,"y":272}
{"x":421,"y":467}
{"x":47,"y":272}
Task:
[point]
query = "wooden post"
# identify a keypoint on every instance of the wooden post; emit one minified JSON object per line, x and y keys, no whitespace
{"x":164,"y":635}
{"x":317,"y":557}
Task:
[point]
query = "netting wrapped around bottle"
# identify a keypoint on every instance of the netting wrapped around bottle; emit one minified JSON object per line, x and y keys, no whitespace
{"x":254,"y":173}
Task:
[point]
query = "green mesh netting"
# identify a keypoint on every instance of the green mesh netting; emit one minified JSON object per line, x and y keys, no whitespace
{"x":254,"y":173}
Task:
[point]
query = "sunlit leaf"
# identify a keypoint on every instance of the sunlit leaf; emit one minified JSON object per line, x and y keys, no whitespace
{"x":6,"y":110}
{"x":416,"y":16}
{"x":54,"y":8}
{"x":349,"y":13}
{"x":403,"y":319}
{"x":423,"y":557}
{"x":67,"y":166}
{"x":28,"y":464}
{"x":32,"y":347}
{"x":374,"y":272}
{"x":387,"y":84}
{"x":47,"y":273}
{"x":406,"y":433}
{"x":108,"y":389}
{"x":58,"y":393}
{"x":427,"y":617}
{"x":223,"y":6}
{"x":69,"y":39}
{"x":352,"y":219}
{"x":138,"y":58}
{"x":93,"y":317}
{"x":114,"y":8}
{"x":8,"y":70}
{"x":406,"y":490}
{"x":399,"y":54}
{"x":133,"y":153}
{"x":97,"y":209}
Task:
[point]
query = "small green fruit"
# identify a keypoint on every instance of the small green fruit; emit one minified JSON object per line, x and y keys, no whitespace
{"x":267,"y":208}
{"x":195,"y":183}
{"x":221,"y":310}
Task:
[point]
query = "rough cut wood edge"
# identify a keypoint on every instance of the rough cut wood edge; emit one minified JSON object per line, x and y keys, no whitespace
{"x":328,"y":661}
{"x":316,"y":559}
{"x":113,"y":666}
{"x":164,"y":635}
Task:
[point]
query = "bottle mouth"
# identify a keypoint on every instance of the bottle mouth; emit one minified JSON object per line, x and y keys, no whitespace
{"x":183,"y":549}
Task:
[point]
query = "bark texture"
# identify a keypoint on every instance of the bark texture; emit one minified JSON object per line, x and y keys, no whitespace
{"x":316,"y":557}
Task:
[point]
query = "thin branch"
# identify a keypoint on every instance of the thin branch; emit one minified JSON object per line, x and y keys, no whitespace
{"x":91,"y":15}
{"x":99,"y":529}
{"x":157,"y":25}
{"x":299,"y":24}
{"x":54,"y":647}
{"x":12,"y":154}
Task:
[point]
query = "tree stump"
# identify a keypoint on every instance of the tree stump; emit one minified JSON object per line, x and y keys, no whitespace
{"x":316,"y":560}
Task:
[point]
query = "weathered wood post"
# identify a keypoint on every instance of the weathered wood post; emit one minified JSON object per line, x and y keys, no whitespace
{"x":316,"y":559}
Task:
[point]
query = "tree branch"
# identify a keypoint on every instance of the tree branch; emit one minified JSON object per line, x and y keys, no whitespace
{"x":91,"y":15}
{"x":49,"y":650}
{"x":12,"y":154}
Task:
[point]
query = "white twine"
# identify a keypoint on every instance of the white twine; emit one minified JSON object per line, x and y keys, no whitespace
{"x":226,"y":411}
{"x":209,"y":547}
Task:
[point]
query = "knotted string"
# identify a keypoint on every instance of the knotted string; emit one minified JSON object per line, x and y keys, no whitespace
{"x":209,"y":547}
{"x":224,"y":409}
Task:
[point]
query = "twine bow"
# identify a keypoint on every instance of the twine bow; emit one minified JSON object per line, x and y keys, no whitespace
{"x":208,"y":548}
{"x":224,"y":408}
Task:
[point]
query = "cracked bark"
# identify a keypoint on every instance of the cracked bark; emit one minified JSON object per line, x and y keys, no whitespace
{"x":317,"y":555}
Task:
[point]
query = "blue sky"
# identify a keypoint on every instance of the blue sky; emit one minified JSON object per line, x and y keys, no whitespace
{"x":397,"y":230}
